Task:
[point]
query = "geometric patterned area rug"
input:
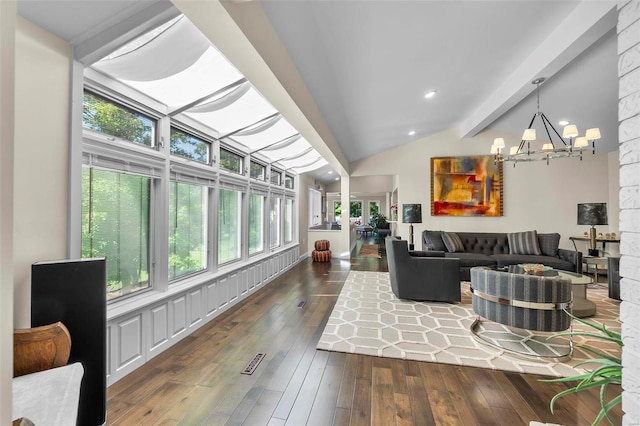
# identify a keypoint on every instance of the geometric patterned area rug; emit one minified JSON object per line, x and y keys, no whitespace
{"x":369,"y":319}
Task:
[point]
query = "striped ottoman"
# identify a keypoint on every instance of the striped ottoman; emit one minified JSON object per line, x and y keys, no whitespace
{"x":321,"y":252}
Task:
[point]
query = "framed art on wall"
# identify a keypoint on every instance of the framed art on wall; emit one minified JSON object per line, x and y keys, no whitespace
{"x":466,"y":186}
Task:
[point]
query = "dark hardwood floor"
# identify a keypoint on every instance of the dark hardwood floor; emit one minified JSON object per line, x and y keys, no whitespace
{"x":198,"y":381}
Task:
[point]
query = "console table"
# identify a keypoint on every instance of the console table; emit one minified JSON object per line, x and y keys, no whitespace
{"x":604,"y":241}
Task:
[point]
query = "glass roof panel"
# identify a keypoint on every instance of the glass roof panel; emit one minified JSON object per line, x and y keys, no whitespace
{"x":210,"y":73}
{"x":298,"y":161}
{"x":246,"y":111}
{"x":310,"y":167}
{"x":286,"y":151}
{"x":176,"y":65}
{"x":278,"y":132}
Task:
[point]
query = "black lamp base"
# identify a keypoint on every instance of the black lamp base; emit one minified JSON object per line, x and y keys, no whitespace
{"x":594,"y":252}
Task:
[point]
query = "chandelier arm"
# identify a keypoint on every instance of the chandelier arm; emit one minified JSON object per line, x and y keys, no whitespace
{"x":544,"y":118}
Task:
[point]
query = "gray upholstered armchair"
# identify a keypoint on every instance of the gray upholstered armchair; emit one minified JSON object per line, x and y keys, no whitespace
{"x":422,"y":275}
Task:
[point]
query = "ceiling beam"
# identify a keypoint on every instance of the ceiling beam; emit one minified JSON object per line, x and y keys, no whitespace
{"x":244,"y":34}
{"x":120,"y":29}
{"x":588,"y":22}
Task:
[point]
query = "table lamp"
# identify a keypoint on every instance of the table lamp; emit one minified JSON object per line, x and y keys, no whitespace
{"x":411,"y":213}
{"x":592,"y":214}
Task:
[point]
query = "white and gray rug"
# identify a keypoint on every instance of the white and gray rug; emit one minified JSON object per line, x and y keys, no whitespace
{"x":368,"y":319}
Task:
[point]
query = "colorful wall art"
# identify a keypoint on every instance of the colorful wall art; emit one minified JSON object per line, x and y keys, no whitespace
{"x":466,"y":186}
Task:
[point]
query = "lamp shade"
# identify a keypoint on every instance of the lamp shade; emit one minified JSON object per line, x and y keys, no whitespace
{"x":412,"y":213}
{"x":593,"y":134}
{"x":498,"y":143}
{"x":514,"y":150}
{"x":581,"y":142}
{"x":547,"y":147}
{"x":529,"y":135}
{"x":592,"y":214}
{"x":570,"y":131}
{"x":494,"y":149}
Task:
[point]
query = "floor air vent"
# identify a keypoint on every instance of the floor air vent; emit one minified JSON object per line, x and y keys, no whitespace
{"x":301,"y":304}
{"x":253,"y":364}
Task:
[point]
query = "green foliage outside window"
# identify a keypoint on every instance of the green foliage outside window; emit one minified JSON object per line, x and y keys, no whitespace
{"x":104,"y":116}
{"x":230,"y":161}
{"x":257,"y":171}
{"x":337,"y":209}
{"x":288,"y":220}
{"x":116,"y":225}
{"x":256,"y":223}
{"x":188,"y":146}
{"x":228,"y":225}
{"x":356,"y":209}
{"x":374,"y":208}
{"x":187,"y":229}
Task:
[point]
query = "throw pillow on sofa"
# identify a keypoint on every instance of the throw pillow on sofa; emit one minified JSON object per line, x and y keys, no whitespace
{"x":453,"y":242}
{"x":549,"y":244}
{"x":524,"y":243}
{"x":433,"y":240}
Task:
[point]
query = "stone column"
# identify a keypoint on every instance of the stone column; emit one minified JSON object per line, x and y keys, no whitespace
{"x":629,"y":138}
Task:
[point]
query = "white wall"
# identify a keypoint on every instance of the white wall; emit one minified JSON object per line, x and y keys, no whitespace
{"x":42,"y":87}
{"x":536,"y":196}
{"x":7,"y":51}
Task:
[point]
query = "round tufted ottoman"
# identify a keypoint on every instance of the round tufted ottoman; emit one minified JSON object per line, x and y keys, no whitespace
{"x":321,"y":252}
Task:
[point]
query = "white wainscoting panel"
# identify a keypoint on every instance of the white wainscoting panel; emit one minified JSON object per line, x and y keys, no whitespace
{"x":136,"y":336}
{"x":178,"y":315}
{"x":130,"y":343}
{"x":159,"y":322}
{"x":195,"y":307}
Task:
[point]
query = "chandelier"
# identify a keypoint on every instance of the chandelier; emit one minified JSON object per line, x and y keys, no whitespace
{"x":559,"y":149}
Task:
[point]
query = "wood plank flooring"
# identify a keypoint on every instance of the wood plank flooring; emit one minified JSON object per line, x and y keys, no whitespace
{"x":198,"y":381}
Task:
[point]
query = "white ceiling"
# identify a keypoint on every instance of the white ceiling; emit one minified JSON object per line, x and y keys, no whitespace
{"x":367,"y":64}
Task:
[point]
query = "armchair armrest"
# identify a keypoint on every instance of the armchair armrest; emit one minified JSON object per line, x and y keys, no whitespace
{"x":572,"y":256}
{"x":427,"y":253}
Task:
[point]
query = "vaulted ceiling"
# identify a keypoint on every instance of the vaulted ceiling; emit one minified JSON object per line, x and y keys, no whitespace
{"x":358,"y":70}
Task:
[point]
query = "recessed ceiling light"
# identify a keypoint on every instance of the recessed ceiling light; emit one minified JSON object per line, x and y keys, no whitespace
{"x":337,"y":178}
{"x":563,"y":122}
{"x":430,"y":94}
{"x":412,"y":132}
{"x":330,"y":172}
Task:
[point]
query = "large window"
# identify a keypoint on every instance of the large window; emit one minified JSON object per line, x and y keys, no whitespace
{"x":105,"y":116}
{"x":188,"y":146}
{"x":229,"y":211}
{"x":230,"y":161}
{"x":274,"y":222}
{"x":116,"y":225}
{"x":288,"y":181}
{"x":288,"y":220}
{"x":187,"y":229}
{"x":257,"y":171}
{"x":256,"y":223}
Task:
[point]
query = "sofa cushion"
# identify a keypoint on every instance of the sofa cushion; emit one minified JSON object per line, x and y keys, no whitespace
{"x":515,"y":259}
{"x":524,"y":243}
{"x":549,"y":244}
{"x":468,"y":260}
{"x":432,"y":240}
{"x":453,"y":242}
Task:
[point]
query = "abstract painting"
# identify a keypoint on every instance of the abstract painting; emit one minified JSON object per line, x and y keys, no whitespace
{"x":466,"y":186}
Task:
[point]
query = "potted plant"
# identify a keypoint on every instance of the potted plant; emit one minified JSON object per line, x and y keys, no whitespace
{"x":378,"y":221}
{"x":609,"y":370}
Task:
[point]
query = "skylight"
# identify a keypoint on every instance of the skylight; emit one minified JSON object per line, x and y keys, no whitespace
{"x":178,"y":67}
